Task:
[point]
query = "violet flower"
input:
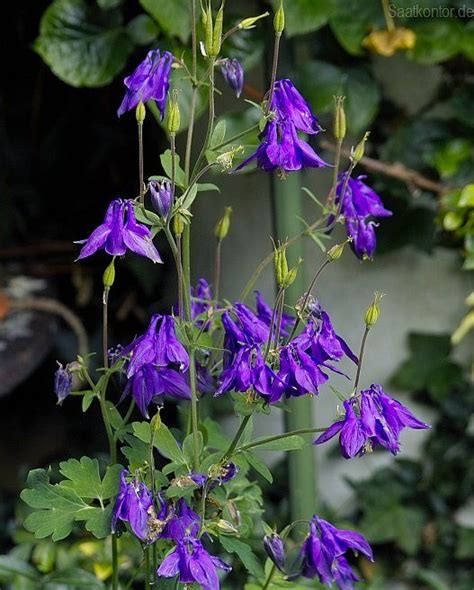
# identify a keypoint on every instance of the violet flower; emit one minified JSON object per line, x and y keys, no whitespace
{"x":360,"y":204}
{"x":62,"y":382}
{"x":201,"y":300}
{"x":323,"y":553}
{"x":371,"y":418}
{"x":149,"y":81}
{"x":233,"y":73}
{"x":265,"y":312}
{"x":134,"y":504}
{"x":161,"y":197}
{"x":184,"y":522}
{"x":190,"y":560}
{"x":275,"y":549}
{"x":119,"y":232}
{"x":288,"y":104}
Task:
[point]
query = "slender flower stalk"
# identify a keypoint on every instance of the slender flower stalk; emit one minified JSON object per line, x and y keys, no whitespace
{"x":140,"y":163}
{"x":361,"y":357}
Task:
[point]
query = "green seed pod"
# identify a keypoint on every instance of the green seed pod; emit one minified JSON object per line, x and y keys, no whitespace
{"x":222,"y":226}
{"x":217,"y":34}
{"x":209,"y":33}
{"x":279,"y":19}
{"x":336,"y":251}
{"x":281,"y":264}
{"x":358,"y":152}
{"x":340,"y":119}
{"x":108,"y":277}
{"x":140,"y":113}
{"x":249,"y":23}
{"x":178,"y":225}
{"x":290,"y":277}
{"x":155,"y":423}
{"x":174,"y":116}
{"x":373,"y":311}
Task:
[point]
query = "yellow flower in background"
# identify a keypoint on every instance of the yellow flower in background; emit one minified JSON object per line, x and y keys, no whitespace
{"x":388,"y":42}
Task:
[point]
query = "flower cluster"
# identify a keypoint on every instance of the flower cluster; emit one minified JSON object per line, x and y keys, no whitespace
{"x":359,"y":204}
{"x":158,"y":364}
{"x":281,"y":148}
{"x":371,"y":418}
{"x":152,"y":518}
{"x":322,"y":554}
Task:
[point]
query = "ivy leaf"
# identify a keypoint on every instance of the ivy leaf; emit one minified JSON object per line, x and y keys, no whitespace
{"x":245,"y":554}
{"x":83,"y":45}
{"x":55,"y":507}
{"x":173,"y":17}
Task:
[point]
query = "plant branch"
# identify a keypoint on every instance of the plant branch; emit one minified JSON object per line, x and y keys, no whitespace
{"x":264,"y":441}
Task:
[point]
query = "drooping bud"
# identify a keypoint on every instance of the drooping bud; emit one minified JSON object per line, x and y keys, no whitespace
{"x":222,"y":226}
{"x":358,"y":152}
{"x":275,"y":549}
{"x":161,"y":197}
{"x":233,"y":74}
{"x":373,"y":311}
{"x":249,"y":23}
{"x":108,"y":278}
{"x":217,"y":33}
{"x":62,"y":382}
{"x":174,"y":116}
{"x":340,"y":119}
{"x":140,"y":113}
{"x":336,"y":251}
{"x":178,"y":225}
{"x":279,"y":19}
{"x":281,"y":264}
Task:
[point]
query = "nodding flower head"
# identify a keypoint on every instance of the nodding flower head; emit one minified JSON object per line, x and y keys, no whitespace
{"x":149,"y":81}
{"x":62,"y":382}
{"x":161,"y":197}
{"x":233,"y":73}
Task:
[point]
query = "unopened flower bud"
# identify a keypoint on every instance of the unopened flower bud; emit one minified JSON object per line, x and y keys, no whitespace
{"x":222,"y":226}
{"x":155,"y":423}
{"x":62,"y":382}
{"x":174,"y":116}
{"x":340,"y":119}
{"x":161,"y":197}
{"x":249,"y":23}
{"x":140,"y":113}
{"x":281,"y":264}
{"x":108,"y":278}
{"x":358,"y":152}
{"x":279,"y":19}
{"x":336,"y":251}
{"x":275,"y":549}
{"x":178,"y":225}
{"x":373,"y":311}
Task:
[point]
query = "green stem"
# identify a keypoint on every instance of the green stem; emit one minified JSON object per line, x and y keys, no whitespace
{"x":173,"y":164}
{"x":217,"y":270}
{"x":141,"y":174}
{"x":271,"y":573}
{"x":236,"y":439}
{"x":388,"y":16}
{"x":276,"y":53}
{"x":264,"y":441}
{"x":361,"y":357}
{"x":236,"y":137}
{"x":337,"y":163}
{"x":280,"y":294}
{"x":210,"y":123}
{"x":147,"y":568}
{"x":192,"y":112}
{"x":194,"y":408}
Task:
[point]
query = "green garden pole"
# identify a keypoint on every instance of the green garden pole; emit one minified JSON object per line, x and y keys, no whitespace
{"x":287,"y":207}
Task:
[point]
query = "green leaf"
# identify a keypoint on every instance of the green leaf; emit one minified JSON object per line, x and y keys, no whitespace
{"x":55,"y":507}
{"x":468,"y":40}
{"x":245,"y":554}
{"x":305,"y":16}
{"x":173,"y":17}
{"x":97,"y":520}
{"x":72,"y":578}
{"x":467,"y":196}
{"x":290,"y":443}
{"x":206,"y":187}
{"x":437,"y":40}
{"x":87,"y":400}
{"x":137,"y":452}
{"x":142,"y":431}
{"x":109,"y":4}
{"x":259,"y":466}
{"x":166,"y":160}
{"x":83,"y":45}
{"x":142,"y":29}
{"x":82,"y":476}
{"x":465,"y":546}
{"x":353,"y":21}
{"x":165,"y":442}
{"x":188,"y":447}
{"x":10,"y":567}
{"x":218,"y":134}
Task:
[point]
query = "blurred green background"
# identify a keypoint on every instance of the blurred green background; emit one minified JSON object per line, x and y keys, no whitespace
{"x":407,"y":76}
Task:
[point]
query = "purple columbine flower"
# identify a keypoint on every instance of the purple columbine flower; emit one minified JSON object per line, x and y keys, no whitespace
{"x":119,"y":232}
{"x":323,"y":553}
{"x":184,"y":522}
{"x":360,"y":204}
{"x":62,"y":382}
{"x":134,"y":504}
{"x":281,"y":149}
{"x":275,"y":550}
{"x":371,"y":418}
{"x":233,"y":73}
{"x":288,"y":104}
{"x":201,"y":300}
{"x":264,"y":313}
{"x":190,"y":560}
{"x":161,"y":197}
{"x":149,"y":81}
